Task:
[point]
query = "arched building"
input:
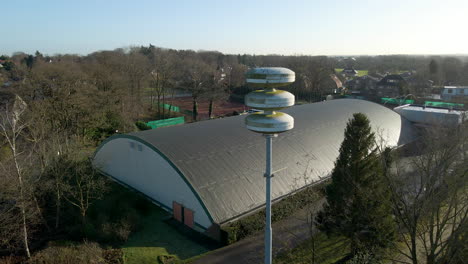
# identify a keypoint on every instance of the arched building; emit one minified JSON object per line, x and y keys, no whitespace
{"x":210,"y":173}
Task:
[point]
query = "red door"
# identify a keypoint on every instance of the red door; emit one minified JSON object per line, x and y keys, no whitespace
{"x":177,"y":211}
{"x":188,"y":217}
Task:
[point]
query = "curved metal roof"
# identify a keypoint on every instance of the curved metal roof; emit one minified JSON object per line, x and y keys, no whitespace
{"x":224,"y":162}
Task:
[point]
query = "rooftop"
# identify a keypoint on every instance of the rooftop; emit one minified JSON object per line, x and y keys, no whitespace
{"x":224,"y":162}
{"x":431,"y":109}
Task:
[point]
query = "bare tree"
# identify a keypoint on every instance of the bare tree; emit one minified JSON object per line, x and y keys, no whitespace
{"x":217,"y":87}
{"x":429,"y":195}
{"x":161,"y":80}
{"x":135,"y":67}
{"x":197,"y":78}
{"x":312,"y":73}
{"x":309,"y":213}
{"x":84,"y":185}
{"x":11,"y":127}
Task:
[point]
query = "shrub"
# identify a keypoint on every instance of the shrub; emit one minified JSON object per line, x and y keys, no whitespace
{"x":363,"y":258}
{"x":74,"y":254}
{"x":167,"y":259}
{"x":114,"y":256}
{"x":12,"y":260}
{"x":254,"y":223}
{"x":118,"y":215}
{"x":106,"y":126}
{"x":142,"y":125}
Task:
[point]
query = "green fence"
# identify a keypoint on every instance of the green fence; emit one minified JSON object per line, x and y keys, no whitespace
{"x":166,"y":122}
{"x":395,"y":101}
{"x":171,"y":107}
{"x":443,"y":104}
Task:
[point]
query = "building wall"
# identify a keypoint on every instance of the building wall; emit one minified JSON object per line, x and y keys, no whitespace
{"x":429,"y":117}
{"x":143,"y":169}
{"x":449,"y":93}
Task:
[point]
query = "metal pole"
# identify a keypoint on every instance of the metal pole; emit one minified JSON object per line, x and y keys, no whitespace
{"x":268,"y":231}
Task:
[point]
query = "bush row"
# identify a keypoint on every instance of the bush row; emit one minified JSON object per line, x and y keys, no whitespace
{"x":282,"y":209}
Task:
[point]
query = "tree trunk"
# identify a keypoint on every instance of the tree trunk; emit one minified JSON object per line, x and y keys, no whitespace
{"x":25,"y":232}
{"x":414,"y":256}
{"x":195,"y":109}
{"x":57,"y":212}
{"x":138,"y":91}
{"x":164,"y":105}
{"x":152,"y":97}
{"x":210,"y":108}
{"x":313,"y":250}
{"x":23,"y":211}
{"x":23,"y":200}
{"x":41,"y":215}
{"x":159,"y":105}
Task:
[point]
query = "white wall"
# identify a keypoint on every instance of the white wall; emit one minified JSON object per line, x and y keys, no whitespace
{"x":145,"y":170}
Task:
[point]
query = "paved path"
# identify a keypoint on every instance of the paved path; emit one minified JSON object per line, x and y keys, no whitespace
{"x":287,"y":234}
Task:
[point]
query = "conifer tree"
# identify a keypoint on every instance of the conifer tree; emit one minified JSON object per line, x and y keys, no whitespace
{"x":358,"y":203}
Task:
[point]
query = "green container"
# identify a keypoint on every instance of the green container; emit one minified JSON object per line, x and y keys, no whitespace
{"x":166,"y":122}
{"x":443,"y":104}
{"x":395,"y":101}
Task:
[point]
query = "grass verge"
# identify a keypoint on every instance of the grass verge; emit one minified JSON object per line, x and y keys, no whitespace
{"x":328,"y":250}
{"x":157,"y":240}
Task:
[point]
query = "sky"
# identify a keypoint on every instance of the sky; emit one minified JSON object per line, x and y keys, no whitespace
{"x":288,"y":27}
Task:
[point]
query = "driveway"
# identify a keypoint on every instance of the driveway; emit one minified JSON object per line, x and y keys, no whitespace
{"x":287,"y":234}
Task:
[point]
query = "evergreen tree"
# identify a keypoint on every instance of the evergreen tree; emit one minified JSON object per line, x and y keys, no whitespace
{"x":358,"y":202}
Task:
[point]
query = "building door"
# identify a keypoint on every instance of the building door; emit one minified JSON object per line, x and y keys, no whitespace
{"x":183,"y":214}
{"x":188,"y":217}
{"x":177,"y":211}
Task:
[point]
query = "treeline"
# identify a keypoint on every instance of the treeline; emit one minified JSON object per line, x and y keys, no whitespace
{"x":135,"y":80}
{"x":443,"y":70}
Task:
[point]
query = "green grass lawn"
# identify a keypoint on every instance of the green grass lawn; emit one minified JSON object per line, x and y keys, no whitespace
{"x":151,"y":237}
{"x":328,"y":251}
{"x":157,"y":238}
{"x":360,"y":72}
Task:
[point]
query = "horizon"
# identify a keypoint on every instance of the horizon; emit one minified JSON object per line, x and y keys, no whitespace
{"x":335,"y":28}
{"x":235,"y":54}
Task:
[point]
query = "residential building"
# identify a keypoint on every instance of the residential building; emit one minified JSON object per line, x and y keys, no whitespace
{"x":364,"y":85}
{"x":392,"y":85}
{"x":455,"y":93}
{"x":349,"y":72}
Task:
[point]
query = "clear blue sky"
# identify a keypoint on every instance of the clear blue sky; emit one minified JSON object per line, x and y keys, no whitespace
{"x":311,"y":27}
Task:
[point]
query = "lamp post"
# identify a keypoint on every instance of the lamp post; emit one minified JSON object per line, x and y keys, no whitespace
{"x":269,"y":122}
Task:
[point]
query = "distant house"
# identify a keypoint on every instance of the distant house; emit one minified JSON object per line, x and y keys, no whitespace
{"x":350,"y":72}
{"x":391,"y":85}
{"x":418,"y":85}
{"x":407,"y":75}
{"x":450,"y":93}
{"x":364,"y":85}
{"x":376,"y":75}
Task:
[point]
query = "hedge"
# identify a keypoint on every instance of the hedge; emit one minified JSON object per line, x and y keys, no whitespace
{"x":249,"y":225}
